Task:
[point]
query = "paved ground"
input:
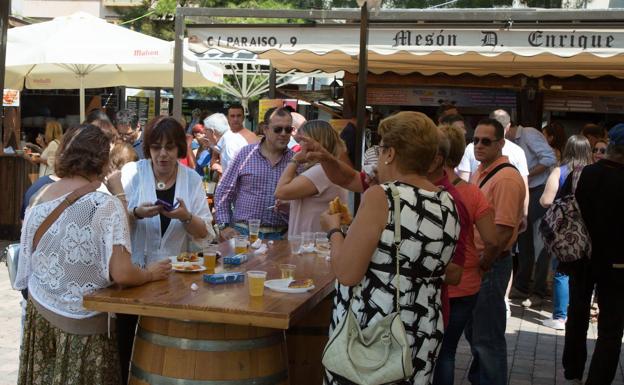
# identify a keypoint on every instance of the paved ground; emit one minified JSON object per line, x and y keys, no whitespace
{"x":533,"y":352}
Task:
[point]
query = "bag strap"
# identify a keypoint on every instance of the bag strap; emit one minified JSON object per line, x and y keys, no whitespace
{"x":68,"y":201}
{"x":396,"y":196}
{"x":493,"y":172}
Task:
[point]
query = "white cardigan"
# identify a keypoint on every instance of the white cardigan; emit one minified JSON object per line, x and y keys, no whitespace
{"x":139,"y":185}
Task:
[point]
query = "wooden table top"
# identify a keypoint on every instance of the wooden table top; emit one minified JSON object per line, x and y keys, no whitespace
{"x":225,"y":303}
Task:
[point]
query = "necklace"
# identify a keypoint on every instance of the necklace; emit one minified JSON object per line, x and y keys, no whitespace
{"x":161,"y":185}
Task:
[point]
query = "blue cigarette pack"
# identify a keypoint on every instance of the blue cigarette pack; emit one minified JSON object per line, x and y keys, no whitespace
{"x":235,"y":259}
{"x":230,"y":277}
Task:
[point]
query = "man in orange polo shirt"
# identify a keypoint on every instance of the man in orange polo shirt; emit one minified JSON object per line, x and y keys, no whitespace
{"x":504,"y":188}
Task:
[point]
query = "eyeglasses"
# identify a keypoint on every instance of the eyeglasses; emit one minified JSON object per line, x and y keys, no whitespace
{"x":600,"y":150}
{"x":484,"y":141}
{"x":279,"y":130}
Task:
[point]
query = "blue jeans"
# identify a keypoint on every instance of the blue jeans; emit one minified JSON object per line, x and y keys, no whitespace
{"x":561,"y":293}
{"x":486,"y":330}
{"x":460,"y":312}
{"x":276,"y":236}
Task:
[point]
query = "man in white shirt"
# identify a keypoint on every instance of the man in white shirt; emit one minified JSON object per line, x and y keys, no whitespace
{"x":223,"y":141}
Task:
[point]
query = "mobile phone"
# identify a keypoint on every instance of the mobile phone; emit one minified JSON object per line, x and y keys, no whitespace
{"x":166,"y":205}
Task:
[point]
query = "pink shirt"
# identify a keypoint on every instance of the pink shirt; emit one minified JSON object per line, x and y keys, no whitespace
{"x":305,"y":213}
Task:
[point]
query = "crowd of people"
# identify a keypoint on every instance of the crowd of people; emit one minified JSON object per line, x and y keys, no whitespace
{"x":115,"y":199}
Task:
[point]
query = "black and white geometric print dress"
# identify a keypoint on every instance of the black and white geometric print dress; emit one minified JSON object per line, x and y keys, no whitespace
{"x":429,"y":232}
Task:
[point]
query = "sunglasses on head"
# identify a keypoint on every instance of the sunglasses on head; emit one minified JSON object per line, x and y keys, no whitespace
{"x":484,"y":141}
{"x":286,"y":129}
{"x":600,"y":150}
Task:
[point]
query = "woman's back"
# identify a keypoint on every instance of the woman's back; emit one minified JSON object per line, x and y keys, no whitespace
{"x":73,"y":256}
{"x":429,"y":231}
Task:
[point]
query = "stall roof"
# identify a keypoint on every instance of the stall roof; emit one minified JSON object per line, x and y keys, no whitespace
{"x":478,"y":49}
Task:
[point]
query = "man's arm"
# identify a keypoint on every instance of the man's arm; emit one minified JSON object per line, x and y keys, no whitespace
{"x":545,"y":154}
{"x":337,"y":171}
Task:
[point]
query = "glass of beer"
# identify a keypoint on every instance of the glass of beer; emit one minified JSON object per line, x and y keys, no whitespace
{"x":240,"y":244}
{"x":287,"y":270}
{"x":210,"y":259}
{"x":254,"y":229}
{"x":255,"y":280}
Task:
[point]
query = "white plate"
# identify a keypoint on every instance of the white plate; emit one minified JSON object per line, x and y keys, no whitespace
{"x":179,"y":267}
{"x":281,"y":285}
{"x":174,"y":260}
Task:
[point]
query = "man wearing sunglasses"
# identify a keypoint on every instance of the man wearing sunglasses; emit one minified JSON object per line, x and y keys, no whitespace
{"x":532,"y":254}
{"x":504,"y":188}
{"x":247,"y":189}
{"x":127,"y":124}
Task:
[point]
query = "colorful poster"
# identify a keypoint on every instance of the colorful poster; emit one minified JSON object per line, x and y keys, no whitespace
{"x":266,"y":104}
{"x":10,"y":98}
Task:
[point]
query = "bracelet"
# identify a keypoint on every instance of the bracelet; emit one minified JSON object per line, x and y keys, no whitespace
{"x":334,"y":230}
{"x":186,"y":222}
{"x":120,"y":195}
{"x":134,"y":213}
{"x":294,"y":161}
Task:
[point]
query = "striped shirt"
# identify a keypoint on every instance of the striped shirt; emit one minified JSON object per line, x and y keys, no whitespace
{"x":247,"y":188}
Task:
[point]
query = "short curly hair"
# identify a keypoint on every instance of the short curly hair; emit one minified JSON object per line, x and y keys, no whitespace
{"x":414,"y":137}
{"x":84,"y":151}
{"x":457,"y":142}
{"x":164,"y":127}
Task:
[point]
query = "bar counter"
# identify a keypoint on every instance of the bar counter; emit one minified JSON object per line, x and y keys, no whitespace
{"x":17,"y":173}
{"x":218,"y":334}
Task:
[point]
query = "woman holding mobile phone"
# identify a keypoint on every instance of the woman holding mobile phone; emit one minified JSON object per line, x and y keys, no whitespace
{"x":167,"y":208}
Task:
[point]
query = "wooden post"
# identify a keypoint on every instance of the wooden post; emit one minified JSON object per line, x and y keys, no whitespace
{"x":5,"y":8}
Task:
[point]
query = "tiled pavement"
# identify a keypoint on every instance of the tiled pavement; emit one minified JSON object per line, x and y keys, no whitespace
{"x":533,"y":351}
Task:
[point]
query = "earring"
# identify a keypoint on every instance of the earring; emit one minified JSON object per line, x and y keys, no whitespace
{"x":386,"y":162}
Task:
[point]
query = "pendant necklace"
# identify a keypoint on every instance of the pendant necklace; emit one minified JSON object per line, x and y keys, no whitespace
{"x":161,"y":185}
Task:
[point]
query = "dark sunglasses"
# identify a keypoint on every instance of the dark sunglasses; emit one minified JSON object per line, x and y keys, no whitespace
{"x":600,"y":150}
{"x":286,"y":129}
{"x":484,"y":141}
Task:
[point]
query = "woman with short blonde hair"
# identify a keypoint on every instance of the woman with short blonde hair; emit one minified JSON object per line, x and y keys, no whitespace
{"x":363,"y":261}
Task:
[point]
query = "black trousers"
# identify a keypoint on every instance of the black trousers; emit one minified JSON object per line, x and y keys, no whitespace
{"x":604,"y":362}
{"x":126,"y":327}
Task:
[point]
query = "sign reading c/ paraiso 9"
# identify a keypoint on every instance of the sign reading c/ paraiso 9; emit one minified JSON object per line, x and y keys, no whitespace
{"x":382,"y":39}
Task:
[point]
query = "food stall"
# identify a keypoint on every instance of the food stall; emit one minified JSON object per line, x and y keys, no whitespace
{"x":218,"y":333}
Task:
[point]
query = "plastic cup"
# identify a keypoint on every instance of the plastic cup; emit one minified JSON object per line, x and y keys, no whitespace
{"x":255,"y":279}
{"x":210,"y":259}
{"x":322,"y":244}
{"x":240,"y":244}
{"x":295,"y":243}
{"x":307,"y":242}
{"x":254,"y":229}
{"x":287,"y":270}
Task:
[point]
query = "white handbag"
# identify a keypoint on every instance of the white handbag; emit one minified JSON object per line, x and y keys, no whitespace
{"x":380,"y":353}
{"x":11,"y":253}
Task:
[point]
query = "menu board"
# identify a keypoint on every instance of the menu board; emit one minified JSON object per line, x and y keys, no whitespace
{"x":141,"y":106}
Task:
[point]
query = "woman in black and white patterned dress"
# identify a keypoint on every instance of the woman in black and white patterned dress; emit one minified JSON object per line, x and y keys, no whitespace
{"x":362,"y":261}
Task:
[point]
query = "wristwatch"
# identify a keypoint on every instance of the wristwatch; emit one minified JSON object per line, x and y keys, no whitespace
{"x":334,"y":230}
{"x":222,"y":226}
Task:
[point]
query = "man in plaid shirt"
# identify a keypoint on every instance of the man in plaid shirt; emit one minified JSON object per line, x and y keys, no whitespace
{"x":247,"y":188}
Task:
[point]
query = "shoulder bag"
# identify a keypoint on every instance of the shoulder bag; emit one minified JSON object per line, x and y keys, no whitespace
{"x":380,"y":353}
{"x":562,"y":228}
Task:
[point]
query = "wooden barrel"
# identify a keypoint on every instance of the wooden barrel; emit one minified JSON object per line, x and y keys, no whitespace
{"x":196,"y":353}
{"x":306,"y":341}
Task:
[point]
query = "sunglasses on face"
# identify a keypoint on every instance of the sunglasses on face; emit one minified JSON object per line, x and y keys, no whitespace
{"x":484,"y":141}
{"x":600,"y":150}
{"x":279,"y":130}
